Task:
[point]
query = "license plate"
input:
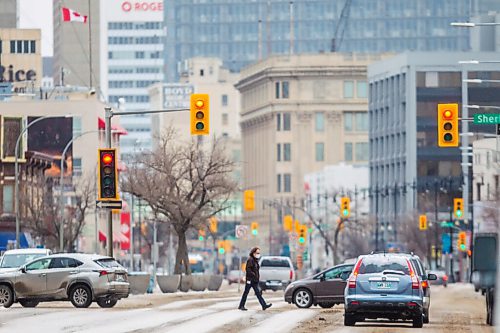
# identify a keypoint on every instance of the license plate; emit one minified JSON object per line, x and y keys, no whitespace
{"x":384,"y":285}
{"x":274,"y":283}
{"x":119,"y":278}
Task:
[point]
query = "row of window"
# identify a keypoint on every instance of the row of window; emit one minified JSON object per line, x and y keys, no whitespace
{"x":360,"y":151}
{"x":21,"y":46}
{"x":127,"y":40}
{"x":130,"y":99}
{"x":132,"y":70}
{"x":131,"y":84}
{"x":353,"y":121}
{"x":134,"y":55}
{"x":134,"y":25}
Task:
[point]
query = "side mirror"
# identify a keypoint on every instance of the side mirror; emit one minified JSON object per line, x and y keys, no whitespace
{"x":345,"y":275}
{"x":431,"y":277}
{"x":23,"y":269}
{"x":322,"y":277}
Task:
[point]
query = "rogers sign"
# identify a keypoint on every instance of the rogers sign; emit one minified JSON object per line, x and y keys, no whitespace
{"x":142,"y":6}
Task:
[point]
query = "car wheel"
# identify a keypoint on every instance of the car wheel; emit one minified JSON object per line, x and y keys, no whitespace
{"x":80,"y":296}
{"x":418,"y":321}
{"x":426,"y":317}
{"x":6,"y":296}
{"x":107,"y":303}
{"x":349,"y":319}
{"x":326,"y":305}
{"x":26,"y":303}
{"x":303,"y":298}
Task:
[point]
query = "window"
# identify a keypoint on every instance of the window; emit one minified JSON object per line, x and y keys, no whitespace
{"x":361,"y":121}
{"x":333,"y":273}
{"x":278,"y":151}
{"x":361,"y":89}
{"x":63,"y":263}
{"x":286,"y":121}
{"x":348,"y":89}
{"x":39,"y":264}
{"x":33,"y":46}
{"x":12,"y":46}
{"x":287,"y":179}
{"x":26,"y":46}
{"x":77,"y":126}
{"x":225,"y":119}
{"x":278,"y":122}
{"x":202,"y":72}
{"x":277,"y":87}
{"x":139,"y":54}
{"x":320,"y":151}
{"x":319,"y":121}
{"x":1,"y":50}
{"x":287,"y":152}
{"x":285,"y":93}
{"x":348,"y":151}
{"x":8,"y":198}
{"x":278,"y":178}
{"x":224,"y":100}
{"x":77,"y":166}
{"x":348,"y":121}
{"x":361,"y":151}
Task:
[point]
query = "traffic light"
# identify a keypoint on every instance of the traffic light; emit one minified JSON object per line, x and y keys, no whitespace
{"x":422,"y":219}
{"x":255,"y":228}
{"x":462,"y":246}
{"x":108,"y":174}
{"x":201,"y":234}
{"x":447,"y":125}
{"x":288,"y":223}
{"x":249,"y":200}
{"x":213,"y":225}
{"x":345,"y":207}
{"x":458,"y":207}
{"x":302,"y":234}
{"x":200,"y":114}
{"x":221,"y":247}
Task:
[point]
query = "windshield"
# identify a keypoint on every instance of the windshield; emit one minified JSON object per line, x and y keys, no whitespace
{"x":17,"y":260}
{"x":371,"y":265}
{"x":275,"y":263}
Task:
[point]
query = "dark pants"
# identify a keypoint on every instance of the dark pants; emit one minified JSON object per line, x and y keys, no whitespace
{"x":256,"y":289}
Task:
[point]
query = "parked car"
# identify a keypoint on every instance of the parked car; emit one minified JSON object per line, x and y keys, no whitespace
{"x":420,"y":271}
{"x":80,"y":278}
{"x":13,"y":259}
{"x":442,"y":278}
{"x":235,"y":275}
{"x":275,"y":272}
{"x":384,"y":286}
{"x":325,"y":288}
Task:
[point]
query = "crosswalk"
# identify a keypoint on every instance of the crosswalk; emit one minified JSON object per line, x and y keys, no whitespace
{"x":195,"y":315}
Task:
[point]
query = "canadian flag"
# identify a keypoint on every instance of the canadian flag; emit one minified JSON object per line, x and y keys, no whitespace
{"x":70,"y":15}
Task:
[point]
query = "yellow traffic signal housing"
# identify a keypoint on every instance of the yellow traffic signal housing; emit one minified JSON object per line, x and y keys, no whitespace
{"x":422,"y":219}
{"x":302,"y":234}
{"x":107,"y":174}
{"x":213,"y":225}
{"x":255,"y":228}
{"x":345,"y":207}
{"x":458,"y":207}
{"x":221,"y":247}
{"x":288,"y":223}
{"x":462,"y":246}
{"x":249,"y":200}
{"x":200,"y":114}
{"x":447,"y":119}
{"x":201,"y":234}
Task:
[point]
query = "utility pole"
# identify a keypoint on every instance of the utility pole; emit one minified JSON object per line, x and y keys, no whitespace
{"x":436,"y":223}
{"x":376,"y":217}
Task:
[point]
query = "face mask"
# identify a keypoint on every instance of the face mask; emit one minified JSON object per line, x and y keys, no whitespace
{"x":257,"y":256}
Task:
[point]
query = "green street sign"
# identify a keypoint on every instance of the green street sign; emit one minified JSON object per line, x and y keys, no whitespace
{"x":447,"y":224}
{"x":486,"y":118}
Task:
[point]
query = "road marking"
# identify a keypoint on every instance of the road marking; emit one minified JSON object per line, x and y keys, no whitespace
{"x":283,"y":322}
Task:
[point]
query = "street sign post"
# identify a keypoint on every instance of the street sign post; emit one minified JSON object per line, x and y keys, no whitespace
{"x":109,"y":204}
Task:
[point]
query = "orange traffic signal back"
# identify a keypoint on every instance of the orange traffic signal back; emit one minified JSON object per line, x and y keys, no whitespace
{"x":200,"y":114}
{"x":447,"y":119}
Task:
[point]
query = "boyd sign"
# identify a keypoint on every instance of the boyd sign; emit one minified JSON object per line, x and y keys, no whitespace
{"x":142,"y":6}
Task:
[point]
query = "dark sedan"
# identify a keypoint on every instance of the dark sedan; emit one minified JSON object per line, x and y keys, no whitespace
{"x":324,"y":289}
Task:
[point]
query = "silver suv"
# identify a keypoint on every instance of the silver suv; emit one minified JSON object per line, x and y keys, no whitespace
{"x":80,"y":278}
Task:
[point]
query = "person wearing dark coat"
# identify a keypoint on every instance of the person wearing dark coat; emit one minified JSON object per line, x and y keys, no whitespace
{"x":252,"y":280}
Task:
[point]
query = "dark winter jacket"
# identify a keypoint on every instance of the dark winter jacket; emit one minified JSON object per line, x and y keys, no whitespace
{"x":252,"y":269}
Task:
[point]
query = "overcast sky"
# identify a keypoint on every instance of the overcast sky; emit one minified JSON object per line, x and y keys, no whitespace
{"x":38,"y":14}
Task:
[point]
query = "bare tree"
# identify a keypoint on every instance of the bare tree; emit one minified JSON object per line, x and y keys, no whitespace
{"x":184,"y":182}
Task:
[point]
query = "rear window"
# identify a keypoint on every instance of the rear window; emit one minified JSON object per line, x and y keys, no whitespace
{"x":108,"y":263}
{"x":379,"y":264}
{"x":275,"y":263}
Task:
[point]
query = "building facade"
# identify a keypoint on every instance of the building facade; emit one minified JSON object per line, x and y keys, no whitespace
{"x":299,"y":114}
{"x":409,"y":173}
{"x":8,"y":14}
{"x":241,"y":32}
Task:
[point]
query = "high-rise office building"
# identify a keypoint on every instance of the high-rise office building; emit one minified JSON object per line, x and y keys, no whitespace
{"x":241,"y":32}
{"x":8,"y":14}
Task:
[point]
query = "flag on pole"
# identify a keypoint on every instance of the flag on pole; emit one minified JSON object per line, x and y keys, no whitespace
{"x":70,"y":15}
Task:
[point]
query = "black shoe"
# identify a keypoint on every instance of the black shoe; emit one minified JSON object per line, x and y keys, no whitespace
{"x":242,"y":309}
{"x":267,"y":306}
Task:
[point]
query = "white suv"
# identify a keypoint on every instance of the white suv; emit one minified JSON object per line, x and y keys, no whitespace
{"x":276,"y":272}
{"x":13,"y":259}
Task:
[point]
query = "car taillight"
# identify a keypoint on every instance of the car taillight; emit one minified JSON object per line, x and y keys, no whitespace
{"x":445,"y":278}
{"x":411,"y":304}
{"x":425,"y":284}
{"x":102,"y":273}
{"x":415,"y":284}
{"x":354,"y":275}
{"x":355,"y":303}
{"x":291,"y":274}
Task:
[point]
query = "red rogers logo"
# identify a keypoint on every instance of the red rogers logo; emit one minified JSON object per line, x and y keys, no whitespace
{"x":128,"y":6}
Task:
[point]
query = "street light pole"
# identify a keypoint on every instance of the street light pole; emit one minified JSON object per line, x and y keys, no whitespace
{"x":61,"y":187}
{"x":16,"y":170}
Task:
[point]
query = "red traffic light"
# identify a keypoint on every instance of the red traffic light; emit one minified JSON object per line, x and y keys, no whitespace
{"x":107,"y":158}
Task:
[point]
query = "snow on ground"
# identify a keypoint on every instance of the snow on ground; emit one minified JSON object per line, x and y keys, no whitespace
{"x":283,"y":322}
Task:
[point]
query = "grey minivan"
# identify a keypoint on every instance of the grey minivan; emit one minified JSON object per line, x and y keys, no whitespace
{"x":384,"y":286}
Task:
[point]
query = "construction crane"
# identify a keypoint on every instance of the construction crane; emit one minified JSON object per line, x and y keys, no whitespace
{"x":338,"y":37}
